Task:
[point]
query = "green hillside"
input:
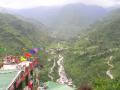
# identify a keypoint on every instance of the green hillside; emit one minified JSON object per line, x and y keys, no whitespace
{"x":17,"y":33}
{"x":87,"y":59}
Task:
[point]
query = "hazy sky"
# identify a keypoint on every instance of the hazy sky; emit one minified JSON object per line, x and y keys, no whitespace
{"x":19,"y":4}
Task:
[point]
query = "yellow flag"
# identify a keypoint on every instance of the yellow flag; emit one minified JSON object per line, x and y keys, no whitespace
{"x":22,"y":59}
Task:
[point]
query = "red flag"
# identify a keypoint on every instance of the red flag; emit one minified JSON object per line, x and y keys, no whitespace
{"x":27,"y":55}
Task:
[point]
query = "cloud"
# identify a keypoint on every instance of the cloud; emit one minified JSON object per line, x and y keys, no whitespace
{"x":104,"y":3}
{"x":18,"y":4}
{"x":30,"y":3}
{"x":116,"y":0}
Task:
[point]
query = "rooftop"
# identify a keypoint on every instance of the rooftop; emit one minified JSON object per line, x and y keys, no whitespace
{"x":8,"y":74}
{"x":55,"y":86}
{"x":6,"y":78}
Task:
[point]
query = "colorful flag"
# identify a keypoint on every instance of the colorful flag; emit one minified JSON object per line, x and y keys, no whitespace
{"x":32,"y":52}
{"x":27,"y":55}
{"x":35,"y":49}
{"x":22,"y":58}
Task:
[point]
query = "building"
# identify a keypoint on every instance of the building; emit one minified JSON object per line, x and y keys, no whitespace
{"x":18,"y":76}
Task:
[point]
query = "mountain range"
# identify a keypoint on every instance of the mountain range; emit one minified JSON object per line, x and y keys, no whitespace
{"x":65,"y":21}
{"x":58,"y":15}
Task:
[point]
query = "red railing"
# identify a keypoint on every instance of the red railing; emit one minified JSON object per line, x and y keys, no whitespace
{"x":26,"y":72}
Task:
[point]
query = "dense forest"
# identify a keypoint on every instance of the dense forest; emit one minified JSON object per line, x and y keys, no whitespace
{"x":86,"y":59}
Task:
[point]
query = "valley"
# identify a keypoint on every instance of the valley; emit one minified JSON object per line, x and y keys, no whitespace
{"x":79,"y":44}
{"x":59,"y":60}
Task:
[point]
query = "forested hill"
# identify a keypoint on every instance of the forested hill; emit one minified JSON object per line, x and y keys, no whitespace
{"x":60,"y":15}
{"x":17,"y":33}
{"x":107,"y":32}
{"x":94,"y":58}
{"x":65,"y":21}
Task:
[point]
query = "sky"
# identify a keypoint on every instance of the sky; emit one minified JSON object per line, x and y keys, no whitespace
{"x":20,"y":4}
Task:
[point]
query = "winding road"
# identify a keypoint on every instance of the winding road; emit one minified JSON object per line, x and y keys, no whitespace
{"x":51,"y":70}
{"x":108,"y":72}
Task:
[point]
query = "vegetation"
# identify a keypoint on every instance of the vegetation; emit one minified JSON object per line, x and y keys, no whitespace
{"x":16,"y":33}
{"x":86,"y":59}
